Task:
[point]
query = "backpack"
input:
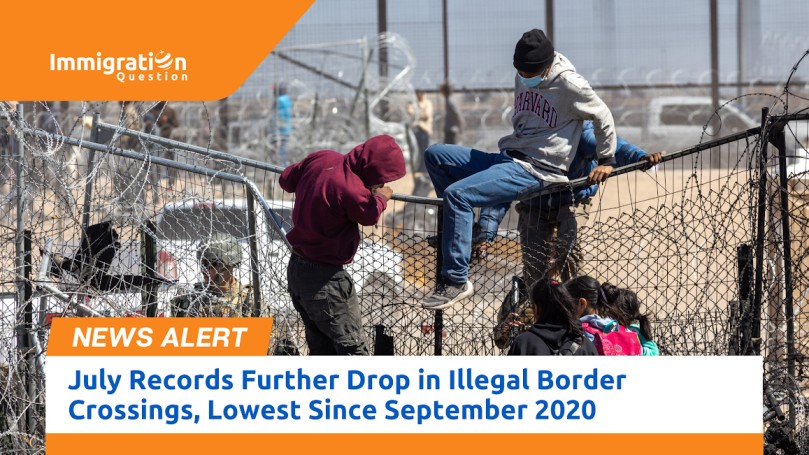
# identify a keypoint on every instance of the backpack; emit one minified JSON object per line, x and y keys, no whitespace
{"x":618,"y":342}
{"x":569,"y":347}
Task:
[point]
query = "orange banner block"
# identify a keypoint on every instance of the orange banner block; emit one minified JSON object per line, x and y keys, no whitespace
{"x":160,"y":337}
{"x":171,"y":50}
{"x":404,"y":444}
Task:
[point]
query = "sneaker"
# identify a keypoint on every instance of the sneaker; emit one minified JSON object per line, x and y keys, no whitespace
{"x":447,"y":295}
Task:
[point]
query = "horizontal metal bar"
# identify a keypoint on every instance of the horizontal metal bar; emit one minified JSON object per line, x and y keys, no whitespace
{"x":642,"y":165}
{"x":46,"y":286}
{"x":142,"y":157}
{"x":633,"y":86}
{"x":299,"y":47}
{"x":417,"y":199}
{"x":169,"y":143}
{"x":790,"y":117}
{"x":576,"y":183}
{"x":276,"y":224}
{"x":314,"y":70}
{"x":435,"y":201}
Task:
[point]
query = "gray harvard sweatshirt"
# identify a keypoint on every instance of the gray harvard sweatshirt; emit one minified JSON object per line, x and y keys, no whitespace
{"x":548,"y":121}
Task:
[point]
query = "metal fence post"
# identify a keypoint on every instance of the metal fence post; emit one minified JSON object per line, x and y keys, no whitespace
{"x":776,"y":135}
{"x":755,"y":346}
{"x":739,"y":340}
{"x":148,"y":259}
{"x":88,"y":185}
{"x":22,"y":239}
{"x":251,"y":226}
{"x":438,"y":322}
{"x":28,"y":325}
{"x":19,"y":235}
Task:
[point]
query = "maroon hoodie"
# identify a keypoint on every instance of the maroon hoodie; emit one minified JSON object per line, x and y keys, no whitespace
{"x":332,"y":197}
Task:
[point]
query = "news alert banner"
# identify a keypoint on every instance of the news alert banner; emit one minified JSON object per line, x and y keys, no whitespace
{"x":206,"y":386}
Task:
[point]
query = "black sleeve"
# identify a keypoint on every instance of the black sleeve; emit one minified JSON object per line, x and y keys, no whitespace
{"x":516,"y":348}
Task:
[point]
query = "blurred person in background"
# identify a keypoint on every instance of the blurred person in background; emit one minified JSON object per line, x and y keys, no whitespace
{"x":162,"y":120}
{"x":8,"y":149}
{"x":281,"y":130}
{"x":166,"y":118}
{"x":128,"y":187}
{"x":48,"y":118}
{"x":424,"y":127}
{"x":453,"y":121}
{"x":423,"y":130}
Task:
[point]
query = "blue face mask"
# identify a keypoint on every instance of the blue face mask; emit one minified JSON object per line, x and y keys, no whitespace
{"x":530,"y":82}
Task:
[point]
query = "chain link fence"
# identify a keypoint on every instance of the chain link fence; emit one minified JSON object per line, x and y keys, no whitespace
{"x":702,"y":244}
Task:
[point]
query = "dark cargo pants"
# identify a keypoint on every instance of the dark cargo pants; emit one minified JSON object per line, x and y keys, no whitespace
{"x":324,"y":297}
{"x":549,"y":240}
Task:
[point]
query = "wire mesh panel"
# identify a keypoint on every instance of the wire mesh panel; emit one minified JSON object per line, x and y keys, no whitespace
{"x":123,"y":231}
{"x":672,"y":235}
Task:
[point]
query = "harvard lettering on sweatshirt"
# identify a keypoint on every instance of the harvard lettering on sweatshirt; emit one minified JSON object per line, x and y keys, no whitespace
{"x":548,"y":122}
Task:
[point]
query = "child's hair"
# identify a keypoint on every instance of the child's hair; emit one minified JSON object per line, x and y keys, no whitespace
{"x":584,"y":287}
{"x":624,"y":307}
{"x":555,"y":305}
{"x":608,"y":295}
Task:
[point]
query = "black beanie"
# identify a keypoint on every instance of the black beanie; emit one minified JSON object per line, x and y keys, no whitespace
{"x":534,"y":52}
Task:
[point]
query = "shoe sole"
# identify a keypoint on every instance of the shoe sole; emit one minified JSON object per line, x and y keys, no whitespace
{"x":470,"y":289}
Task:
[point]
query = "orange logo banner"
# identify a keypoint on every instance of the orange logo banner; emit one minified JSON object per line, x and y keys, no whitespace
{"x":160,"y":337}
{"x":404,"y":444}
{"x":173,"y":50}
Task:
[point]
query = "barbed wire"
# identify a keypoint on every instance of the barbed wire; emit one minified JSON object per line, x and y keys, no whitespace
{"x":671,"y":234}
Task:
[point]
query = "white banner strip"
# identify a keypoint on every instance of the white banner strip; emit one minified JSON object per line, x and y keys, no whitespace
{"x":404,"y":395}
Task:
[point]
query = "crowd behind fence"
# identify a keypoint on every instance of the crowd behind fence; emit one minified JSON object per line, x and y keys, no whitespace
{"x":703,"y":246}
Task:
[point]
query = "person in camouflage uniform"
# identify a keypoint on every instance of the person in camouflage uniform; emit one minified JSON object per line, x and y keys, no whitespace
{"x":220,"y":294}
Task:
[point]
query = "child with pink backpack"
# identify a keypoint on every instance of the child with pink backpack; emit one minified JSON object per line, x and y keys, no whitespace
{"x":556,"y":329}
{"x":624,"y":307}
{"x":609,"y":337}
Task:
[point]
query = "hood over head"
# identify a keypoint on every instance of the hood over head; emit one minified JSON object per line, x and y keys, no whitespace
{"x":378,"y":160}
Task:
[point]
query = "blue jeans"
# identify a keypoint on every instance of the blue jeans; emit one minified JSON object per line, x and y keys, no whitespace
{"x":468,"y":178}
{"x":489,"y":221}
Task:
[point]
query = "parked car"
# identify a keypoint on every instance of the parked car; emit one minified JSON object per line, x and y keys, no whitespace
{"x":671,"y":123}
{"x":182,"y":226}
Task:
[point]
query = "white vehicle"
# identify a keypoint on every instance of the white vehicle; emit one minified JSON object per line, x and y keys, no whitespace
{"x":182,"y":226}
{"x":672,"y":123}
{"x":8,"y":306}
